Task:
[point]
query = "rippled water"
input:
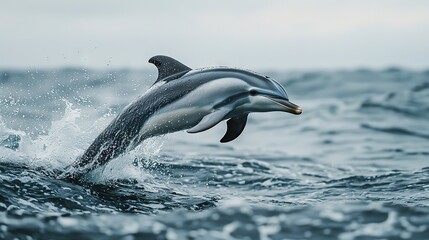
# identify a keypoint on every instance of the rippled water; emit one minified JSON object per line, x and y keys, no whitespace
{"x":354,"y":165}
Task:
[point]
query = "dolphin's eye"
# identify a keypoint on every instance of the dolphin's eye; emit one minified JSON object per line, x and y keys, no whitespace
{"x":253,"y":92}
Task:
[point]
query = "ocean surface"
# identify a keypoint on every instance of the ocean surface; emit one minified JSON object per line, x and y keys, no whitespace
{"x":353,"y":165}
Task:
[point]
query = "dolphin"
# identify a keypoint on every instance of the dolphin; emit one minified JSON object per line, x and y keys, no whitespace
{"x":185,"y":99}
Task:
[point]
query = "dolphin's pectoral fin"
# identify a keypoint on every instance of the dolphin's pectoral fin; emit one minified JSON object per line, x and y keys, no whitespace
{"x":235,"y":128}
{"x":168,"y":67}
{"x":210,"y":120}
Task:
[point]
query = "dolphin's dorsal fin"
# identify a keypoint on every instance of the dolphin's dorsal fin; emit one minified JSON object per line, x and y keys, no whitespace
{"x":168,"y":67}
{"x":235,"y":128}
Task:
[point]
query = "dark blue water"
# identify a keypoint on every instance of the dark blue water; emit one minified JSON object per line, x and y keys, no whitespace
{"x":354,"y":165}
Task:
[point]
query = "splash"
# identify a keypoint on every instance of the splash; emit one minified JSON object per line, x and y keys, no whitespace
{"x":131,"y":165}
{"x":52,"y":151}
{"x":66,"y":140}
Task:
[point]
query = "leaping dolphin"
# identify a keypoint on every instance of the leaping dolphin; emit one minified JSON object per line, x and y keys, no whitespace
{"x":185,"y":99}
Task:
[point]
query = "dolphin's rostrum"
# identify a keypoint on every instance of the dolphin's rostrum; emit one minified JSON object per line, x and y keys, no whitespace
{"x":185,"y":99}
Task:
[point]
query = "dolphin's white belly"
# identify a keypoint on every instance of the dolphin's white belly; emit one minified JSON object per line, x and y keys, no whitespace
{"x":168,"y":121}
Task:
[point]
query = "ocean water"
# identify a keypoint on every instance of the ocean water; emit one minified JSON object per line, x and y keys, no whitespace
{"x":354,"y":165}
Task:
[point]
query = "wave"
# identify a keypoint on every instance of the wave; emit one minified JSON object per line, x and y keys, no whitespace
{"x":237,"y":220}
{"x":396,"y":131}
{"x":396,"y":109}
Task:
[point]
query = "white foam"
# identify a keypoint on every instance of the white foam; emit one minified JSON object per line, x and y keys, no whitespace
{"x":60,"y":146}
{"x":128,"y":166}
{"x":68,"y":137}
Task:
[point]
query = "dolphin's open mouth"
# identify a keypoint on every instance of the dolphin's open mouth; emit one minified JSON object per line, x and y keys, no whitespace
{"x":289,"y":107}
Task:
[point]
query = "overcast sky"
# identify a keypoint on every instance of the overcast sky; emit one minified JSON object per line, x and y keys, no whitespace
{"x":277,"y":35}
